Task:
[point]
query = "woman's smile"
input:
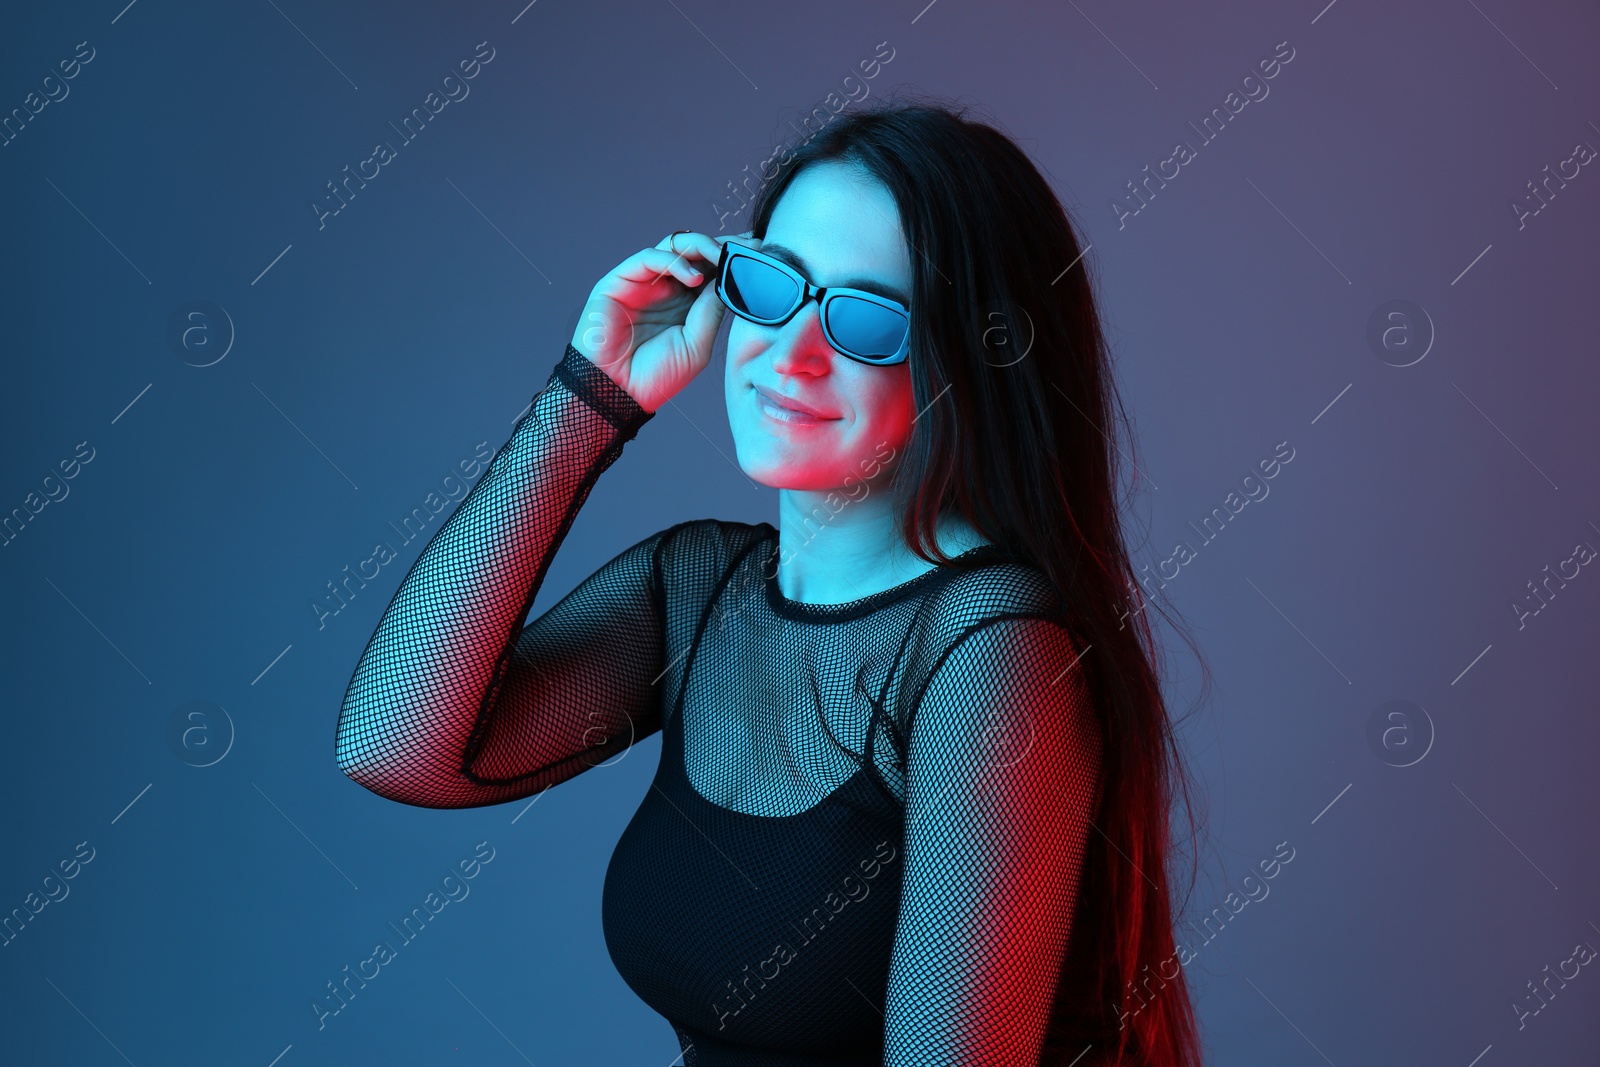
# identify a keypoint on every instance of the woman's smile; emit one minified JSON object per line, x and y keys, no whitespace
{"x":782,"y":409}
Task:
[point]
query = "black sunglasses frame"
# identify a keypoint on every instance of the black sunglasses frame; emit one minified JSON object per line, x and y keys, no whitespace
{"x":823,"y":295}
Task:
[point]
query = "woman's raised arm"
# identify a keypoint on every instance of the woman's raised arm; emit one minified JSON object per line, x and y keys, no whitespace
{"x":454,"y":704}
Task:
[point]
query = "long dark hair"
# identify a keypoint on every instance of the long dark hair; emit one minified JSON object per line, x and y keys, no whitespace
{"x":1022,"y":448}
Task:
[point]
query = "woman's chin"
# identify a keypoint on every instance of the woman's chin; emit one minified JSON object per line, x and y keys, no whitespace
{"x":781,"y":474}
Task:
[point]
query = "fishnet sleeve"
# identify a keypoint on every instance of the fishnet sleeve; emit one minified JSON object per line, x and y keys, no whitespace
{"x":1002,"y":778}
{"x":454,"y":703}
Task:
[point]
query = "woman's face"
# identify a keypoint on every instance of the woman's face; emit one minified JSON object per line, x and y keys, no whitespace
{"x":837,"y":226}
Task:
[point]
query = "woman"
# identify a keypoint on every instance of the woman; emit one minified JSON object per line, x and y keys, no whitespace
{"x":911,"y":807}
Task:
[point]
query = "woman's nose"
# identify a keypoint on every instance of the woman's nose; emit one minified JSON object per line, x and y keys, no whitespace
{"x":801,"y":347}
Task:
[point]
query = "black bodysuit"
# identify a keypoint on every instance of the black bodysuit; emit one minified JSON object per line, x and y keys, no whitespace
{"x":862,"y":843}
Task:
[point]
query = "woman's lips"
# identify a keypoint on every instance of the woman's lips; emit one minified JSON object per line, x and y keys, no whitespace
{"x":779,"y":409}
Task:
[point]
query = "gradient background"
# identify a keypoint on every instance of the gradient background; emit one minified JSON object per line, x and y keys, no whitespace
{"x":378,"y":352}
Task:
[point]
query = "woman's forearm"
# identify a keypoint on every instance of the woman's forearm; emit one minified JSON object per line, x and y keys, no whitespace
{"x":434,"y":662}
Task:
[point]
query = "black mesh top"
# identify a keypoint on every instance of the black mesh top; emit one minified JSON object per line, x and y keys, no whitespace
{"x":862,"y":842}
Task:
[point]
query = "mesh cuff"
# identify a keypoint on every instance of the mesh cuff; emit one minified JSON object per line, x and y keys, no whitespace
{"x":594,"y":387}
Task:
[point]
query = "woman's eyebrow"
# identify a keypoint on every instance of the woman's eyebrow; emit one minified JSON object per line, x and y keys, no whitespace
{"x":791,"y":257}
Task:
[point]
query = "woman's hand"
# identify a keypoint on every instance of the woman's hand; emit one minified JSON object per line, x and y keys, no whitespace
{"x":650,"y":322}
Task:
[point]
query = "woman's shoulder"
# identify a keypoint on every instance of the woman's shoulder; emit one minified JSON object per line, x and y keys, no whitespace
{"x":986,"y":628}
{"x":989,"y":588}
{"x":991,"y":584}
{"x":697,"y":551}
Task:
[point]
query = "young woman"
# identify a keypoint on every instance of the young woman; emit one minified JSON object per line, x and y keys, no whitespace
{"x":912,"y":804}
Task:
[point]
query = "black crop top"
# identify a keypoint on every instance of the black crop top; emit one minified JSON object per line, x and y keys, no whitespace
{"x":862,"y":843}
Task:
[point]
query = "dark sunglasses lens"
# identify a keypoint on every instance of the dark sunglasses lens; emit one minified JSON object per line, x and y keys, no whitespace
{"x":758,"y":289}
{"x":869,"y":331}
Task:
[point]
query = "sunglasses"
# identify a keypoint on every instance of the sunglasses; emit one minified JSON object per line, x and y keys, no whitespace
{"x":864,"y":326}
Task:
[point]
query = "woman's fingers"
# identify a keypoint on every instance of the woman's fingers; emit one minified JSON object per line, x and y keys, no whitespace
{"x":703,"y":245}
{"x":703,"y":252}
{"x":650,"y":336}
{"x":700,"y":325}
{"x":651,"y":263}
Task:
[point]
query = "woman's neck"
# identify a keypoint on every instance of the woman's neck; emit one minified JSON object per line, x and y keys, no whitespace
{"x":833,"y":549}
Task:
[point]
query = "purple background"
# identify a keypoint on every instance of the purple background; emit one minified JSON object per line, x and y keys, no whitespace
{"x":378,"y":351}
